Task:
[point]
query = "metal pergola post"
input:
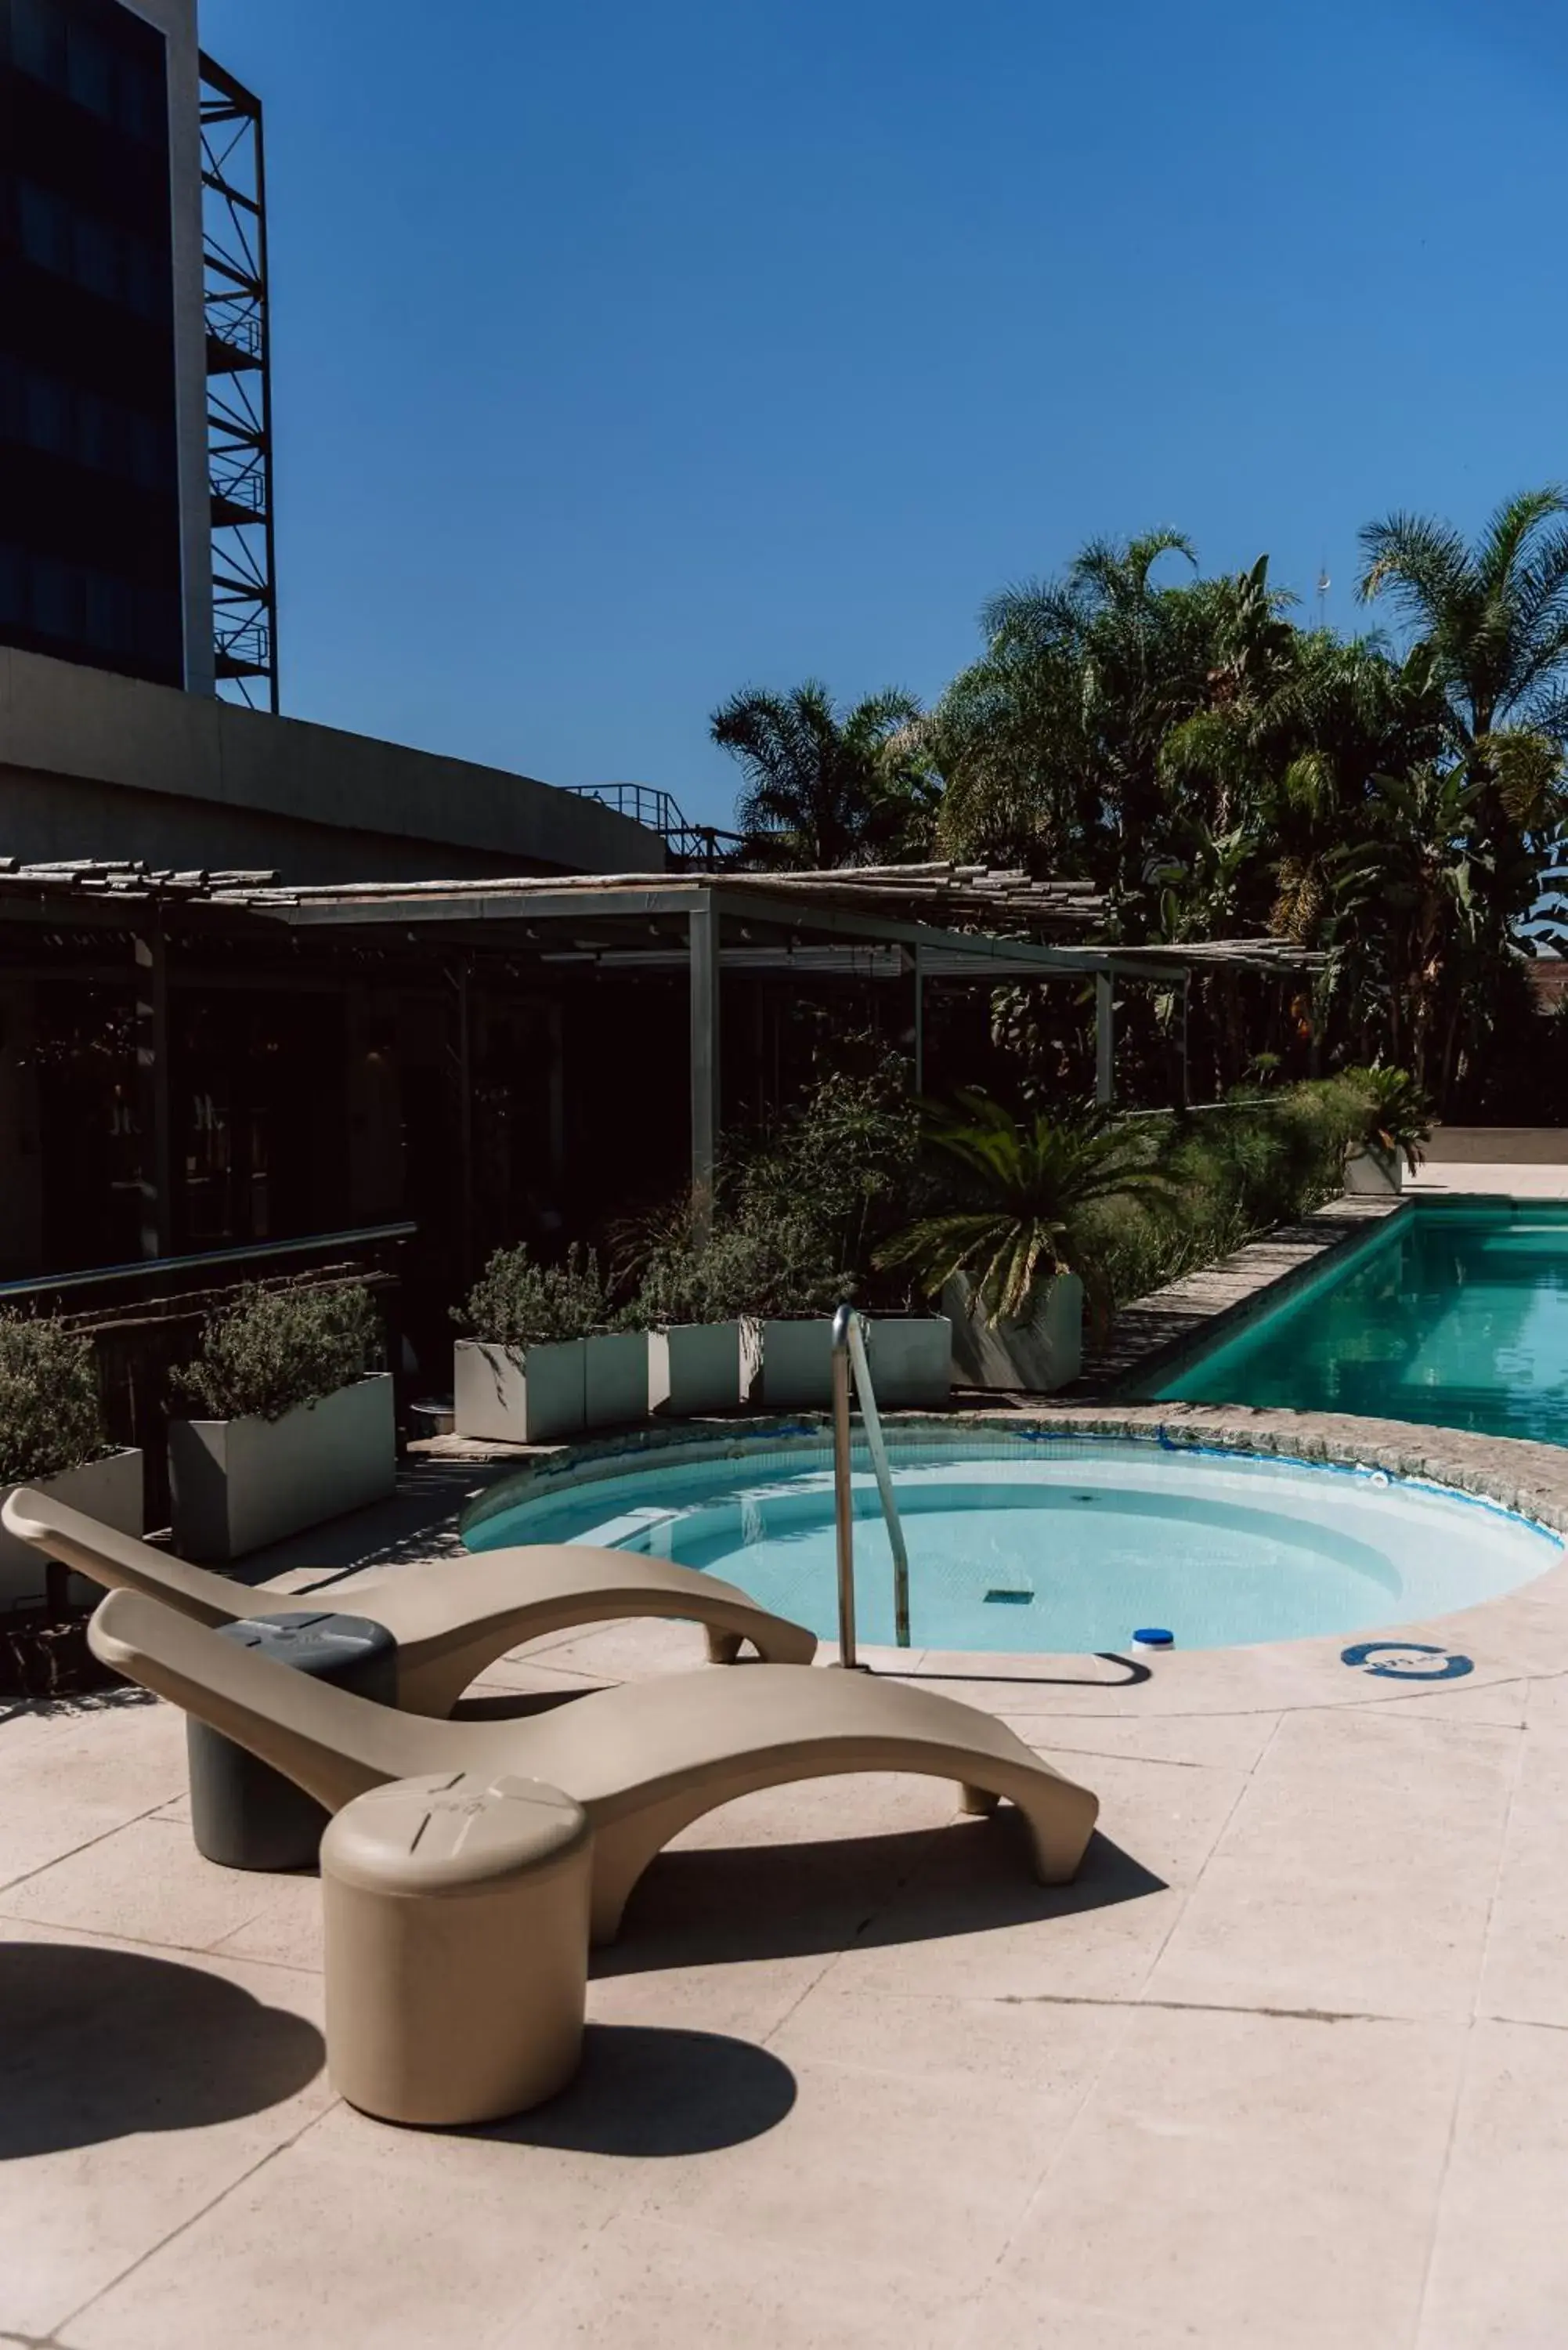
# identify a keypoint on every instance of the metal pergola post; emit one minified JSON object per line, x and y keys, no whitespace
{"x":1105,"y":1039}
{"x":702,"y":939}
{"x":919,"y":958}
{"x":462,"y":981}
{"x":152,"y":1088}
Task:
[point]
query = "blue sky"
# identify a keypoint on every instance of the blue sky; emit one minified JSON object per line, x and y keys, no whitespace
{"x":627,"y":354}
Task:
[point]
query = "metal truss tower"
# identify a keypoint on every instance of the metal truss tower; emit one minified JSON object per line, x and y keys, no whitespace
{"x":239,"y":390}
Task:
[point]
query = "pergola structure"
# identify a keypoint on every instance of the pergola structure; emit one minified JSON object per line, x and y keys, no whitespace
{"x":916,"y":925}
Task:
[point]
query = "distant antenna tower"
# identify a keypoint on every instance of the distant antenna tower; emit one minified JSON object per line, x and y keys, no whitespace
{"x":1324,"y":584}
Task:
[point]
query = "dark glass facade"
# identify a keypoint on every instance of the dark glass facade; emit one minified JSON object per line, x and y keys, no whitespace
{"x":90,"y":504}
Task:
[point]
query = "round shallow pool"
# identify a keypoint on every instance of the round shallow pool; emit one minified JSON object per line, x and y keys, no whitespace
{"x":1061,"y":1545}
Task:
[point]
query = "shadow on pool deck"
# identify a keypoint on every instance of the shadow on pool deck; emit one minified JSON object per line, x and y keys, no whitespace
{"x":645,"y":2092}
{"x":714,"y":1906}
{"x":102,"y":2044}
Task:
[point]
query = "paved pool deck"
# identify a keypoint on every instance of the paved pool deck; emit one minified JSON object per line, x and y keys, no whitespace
{"x":1287,"y":2066}
{"x":1512,"y":1180}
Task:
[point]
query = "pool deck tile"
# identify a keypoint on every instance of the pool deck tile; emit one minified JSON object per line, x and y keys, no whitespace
{"x":1286,"y":2066}
{"x":1235,"y":2178}
{"x":1356,"y":1876}
{"x":1499,"y":2275}
{"x":139,"y":2087}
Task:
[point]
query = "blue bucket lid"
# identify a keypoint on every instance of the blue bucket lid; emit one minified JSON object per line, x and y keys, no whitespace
{"x":1153,"y":1636}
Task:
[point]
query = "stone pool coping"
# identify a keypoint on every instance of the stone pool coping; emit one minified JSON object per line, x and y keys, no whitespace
{"x":1154,"y":1335}
{"x":1523,"y":1633}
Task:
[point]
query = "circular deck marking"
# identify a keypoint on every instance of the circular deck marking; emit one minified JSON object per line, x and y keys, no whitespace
{"x":1401,"y":1660}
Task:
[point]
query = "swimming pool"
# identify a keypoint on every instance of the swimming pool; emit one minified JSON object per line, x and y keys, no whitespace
{"x":1062,"y":1545}
{"x":1455,"y":1316}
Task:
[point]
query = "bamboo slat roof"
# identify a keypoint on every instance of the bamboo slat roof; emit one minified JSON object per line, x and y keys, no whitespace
{"x":966,"y":902}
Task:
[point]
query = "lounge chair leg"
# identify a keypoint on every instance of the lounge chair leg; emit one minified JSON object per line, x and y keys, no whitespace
{"x":978,"y":1802}
{"x":723,"y":1647}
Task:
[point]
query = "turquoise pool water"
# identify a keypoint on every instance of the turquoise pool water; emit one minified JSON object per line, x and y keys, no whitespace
{"x":1062,"y":1545}
{"x":1455,"y":1316}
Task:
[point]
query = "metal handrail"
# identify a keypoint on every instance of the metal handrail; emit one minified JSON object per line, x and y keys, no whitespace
{"x":849,"y":1354}
{"x":140,"y":1268}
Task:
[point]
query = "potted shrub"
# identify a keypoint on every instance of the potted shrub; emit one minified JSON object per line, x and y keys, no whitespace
{"x":521,"y":1376}
{"x":52,"y":1436}
{"x":1397,"y":1120}
{"x":1004,"y":1244}
{"x":912,"y":1359}
{"x":616,"y":1369}
{"x":694,"y":1338}
{"x":287,"y":1420}
{"x":780,"y":1263}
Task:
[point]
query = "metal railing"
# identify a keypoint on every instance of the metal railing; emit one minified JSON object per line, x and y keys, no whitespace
{"x":702,"y":845}
{"x":142,"y":1268}
{"x":849,"y":1356}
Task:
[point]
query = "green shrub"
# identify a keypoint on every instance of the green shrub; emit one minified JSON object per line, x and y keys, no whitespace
{"x":272,"y":1349}
{"x":1015,"y":1197}
{"x":1231,"y":1174}
{"x":798,"y":1217}
{"x":842,"y":1163}
{"x":1398,"y":1116}
{"x":517,"y":1303}
{"x":755,"y":1264}
{"x":51,"y":1416}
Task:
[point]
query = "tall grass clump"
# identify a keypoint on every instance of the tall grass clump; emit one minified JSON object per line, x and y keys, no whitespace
{"x":1231,"y":1174}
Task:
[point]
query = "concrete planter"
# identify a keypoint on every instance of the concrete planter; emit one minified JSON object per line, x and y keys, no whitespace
{"x":1036,"y":1355}
{"x":615,"y":1378}
{"x":109,"y":1490}
{"x":241,"y":1483}
{"x":693,"y":1367}
{"x":1374,"y":1174}
{"x":519,"y":1395}
{"x":911,"y":1360}
{"x":798,"y":1364}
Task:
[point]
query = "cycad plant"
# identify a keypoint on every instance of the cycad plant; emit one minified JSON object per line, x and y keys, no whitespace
{"x":1399,"y":1115}
{"x":1017,"y":1190}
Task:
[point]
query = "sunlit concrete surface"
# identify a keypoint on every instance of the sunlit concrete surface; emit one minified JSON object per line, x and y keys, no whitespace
{"x":1287,"y":2066}
{"x":1509,"y":1179}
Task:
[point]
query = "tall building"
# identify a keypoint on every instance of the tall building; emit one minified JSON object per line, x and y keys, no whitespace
{"x":132,"y":361}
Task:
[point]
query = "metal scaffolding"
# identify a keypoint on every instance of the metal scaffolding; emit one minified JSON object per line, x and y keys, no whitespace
{"x":239,"y":390}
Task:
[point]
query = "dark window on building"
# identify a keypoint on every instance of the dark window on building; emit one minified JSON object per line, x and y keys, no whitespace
{"x":89,"y":499}
{"x":13,"y":586}
{"x":48,"y":414}
{"x":44,"y":220}
{"x":103,"y":258}
{"x":76,"y":59}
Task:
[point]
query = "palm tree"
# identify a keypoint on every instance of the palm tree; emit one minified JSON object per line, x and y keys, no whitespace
{"x":1049,"y":745}
{"x":1494,"y":615}
{"x":824,"y":787}
{"x":1493,"y":618}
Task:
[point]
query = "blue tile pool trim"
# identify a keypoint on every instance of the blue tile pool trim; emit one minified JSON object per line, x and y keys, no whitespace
{"x":797,"y":1445}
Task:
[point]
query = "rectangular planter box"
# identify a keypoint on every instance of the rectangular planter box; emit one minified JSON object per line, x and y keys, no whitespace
{"x":1033,"y":1356}
{"x":911,"y":1361}
{"x":692,"y":1368}
{"x":109,"y":1490}
{"x":615,"y":1378}
{"x":519,"y":1395}
{"x":241,"y":1483}
{"x":1373,"y":1175}
{"x":798,"y":1364}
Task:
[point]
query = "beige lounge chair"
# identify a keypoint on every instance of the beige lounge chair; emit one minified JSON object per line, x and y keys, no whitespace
{"x":643,"y":1760}
{"x":449,"y":1618}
